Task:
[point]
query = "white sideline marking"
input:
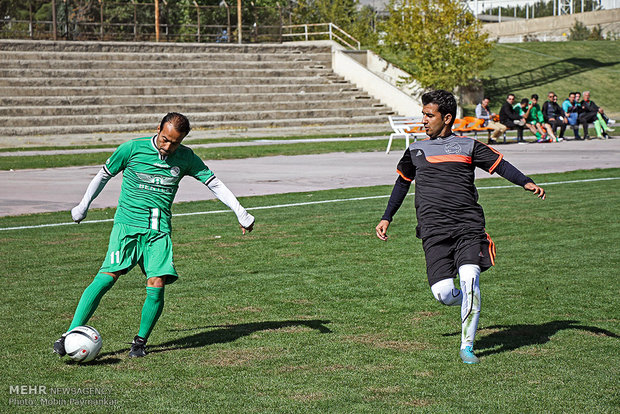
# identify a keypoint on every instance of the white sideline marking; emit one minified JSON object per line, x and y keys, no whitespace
{"x":307,"y":203}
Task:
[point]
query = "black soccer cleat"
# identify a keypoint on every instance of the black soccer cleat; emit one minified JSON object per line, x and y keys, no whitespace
{"x":138,"y":347}
{"x":59,"y":346}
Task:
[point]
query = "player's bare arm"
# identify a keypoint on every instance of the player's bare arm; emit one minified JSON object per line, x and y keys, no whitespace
{"x":538,"y":191}
{"x":381,"y":229}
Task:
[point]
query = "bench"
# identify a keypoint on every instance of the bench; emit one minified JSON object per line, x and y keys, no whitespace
{"x":407,"y":127}
{"x":470,"y":124}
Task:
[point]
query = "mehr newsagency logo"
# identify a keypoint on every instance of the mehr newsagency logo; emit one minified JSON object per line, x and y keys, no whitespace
{"x":43,"y":395}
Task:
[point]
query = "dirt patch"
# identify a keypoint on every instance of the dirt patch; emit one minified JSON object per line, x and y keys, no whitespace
{"x":420,"y":316}
{"x":417,"y":403}
{"x":338,"y":367}
{"x":312,"y":396}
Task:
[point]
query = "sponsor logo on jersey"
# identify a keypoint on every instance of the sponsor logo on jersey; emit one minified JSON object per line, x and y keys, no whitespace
{"x":452,"y":148}
{"x":175,"y":171}
{"x":419,"y":153}
{"x":156,"y":189}
{"x":157,"y":179}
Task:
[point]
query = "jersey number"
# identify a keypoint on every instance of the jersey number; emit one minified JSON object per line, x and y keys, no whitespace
{"x":115,"y":255}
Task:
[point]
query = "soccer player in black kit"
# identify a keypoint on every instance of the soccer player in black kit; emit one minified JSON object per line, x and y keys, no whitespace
{"x":450,"y":220}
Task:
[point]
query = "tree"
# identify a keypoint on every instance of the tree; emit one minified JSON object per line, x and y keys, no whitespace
{"x":440,"y":42}
{"x":345,"y":14}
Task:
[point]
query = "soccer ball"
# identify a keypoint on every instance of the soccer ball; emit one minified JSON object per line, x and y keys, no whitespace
{"x":83,"y":343}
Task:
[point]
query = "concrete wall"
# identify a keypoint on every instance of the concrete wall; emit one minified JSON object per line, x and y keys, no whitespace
{"x":377,"y":77}
{"x":553,"y":27}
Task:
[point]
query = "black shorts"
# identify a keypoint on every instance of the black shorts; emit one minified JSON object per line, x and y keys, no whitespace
{"x":445,"y":254}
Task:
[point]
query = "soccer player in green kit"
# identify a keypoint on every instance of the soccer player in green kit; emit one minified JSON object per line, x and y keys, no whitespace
{"x":152,"y":168}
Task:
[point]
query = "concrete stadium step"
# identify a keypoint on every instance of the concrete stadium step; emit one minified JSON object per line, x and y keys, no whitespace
{"x":116,"y":65}
{"x":170,"y":81}
{"x":305,"y":57}
{"x":152,"y":107}
{"x":154,"y":90}
{"x":149,"y":127}
{"x":291,"y":98}
{"x":98,"y":119}
{"x":85,"y":87}
{"x":149,"y":73}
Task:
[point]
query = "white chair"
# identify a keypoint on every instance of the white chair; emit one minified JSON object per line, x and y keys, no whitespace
{"x":407,"y":127}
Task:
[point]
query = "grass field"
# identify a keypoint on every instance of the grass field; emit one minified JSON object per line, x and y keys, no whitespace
{"x":312,"y":313}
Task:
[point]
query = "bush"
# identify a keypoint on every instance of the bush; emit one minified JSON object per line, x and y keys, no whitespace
{"x":580,"y":32}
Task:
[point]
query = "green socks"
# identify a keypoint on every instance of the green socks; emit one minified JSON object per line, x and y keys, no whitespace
{"x":90,"y":299}
{"x":153,"y":305}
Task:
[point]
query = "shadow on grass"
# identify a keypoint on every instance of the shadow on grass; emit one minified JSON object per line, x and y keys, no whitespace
{"x":510,"y":337}
{"x":222,"y":334}
{"x":497,"y":88}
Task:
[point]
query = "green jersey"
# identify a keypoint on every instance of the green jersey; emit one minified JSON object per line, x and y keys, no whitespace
{"x":151,"y":181}
{"x":536,"y":115}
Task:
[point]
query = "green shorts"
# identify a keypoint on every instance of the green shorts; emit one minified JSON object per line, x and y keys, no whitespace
{"x":130,"y":246}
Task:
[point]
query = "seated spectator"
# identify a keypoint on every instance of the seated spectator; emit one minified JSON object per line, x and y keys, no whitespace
{"x":561,"y":117}
{"x":571,"y":110}
{"x":552,"y":118}
{"x":537,"y":120}
{"x":590,"y":112}
{"x":523,"y":109}
{"x":512,"y":119}
{"x":483,"y":112}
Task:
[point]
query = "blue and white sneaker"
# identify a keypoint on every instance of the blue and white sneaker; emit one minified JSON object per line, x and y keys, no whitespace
{"x":467,"y":355}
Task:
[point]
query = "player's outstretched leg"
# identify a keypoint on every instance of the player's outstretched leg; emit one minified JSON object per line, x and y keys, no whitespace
{"x":86,"y":306}
{"x":470,"y":311}
{"x":153,"y":306}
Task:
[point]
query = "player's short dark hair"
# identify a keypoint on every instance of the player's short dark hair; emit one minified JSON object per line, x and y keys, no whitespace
{"x":509,"y":95}
{"x":178,"y":121}
{"x":444,"y":100}
{"x":525,"y":101}
{"x":572,"y":93}
{"x":534,"y":96}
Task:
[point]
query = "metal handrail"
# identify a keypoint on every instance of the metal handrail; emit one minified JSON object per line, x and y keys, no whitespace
{"x":332,"y":32}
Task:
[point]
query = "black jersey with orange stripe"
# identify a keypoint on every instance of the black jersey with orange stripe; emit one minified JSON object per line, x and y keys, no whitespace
{"x":446,"y":198}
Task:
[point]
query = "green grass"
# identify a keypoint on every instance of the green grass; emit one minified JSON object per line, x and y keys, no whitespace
{"x":220,"y":153}
{"x":312,"y":313}
{"x":562,"y":67}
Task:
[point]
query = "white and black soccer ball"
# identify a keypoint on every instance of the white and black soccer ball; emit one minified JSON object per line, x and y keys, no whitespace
{"x":83,"y":343}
